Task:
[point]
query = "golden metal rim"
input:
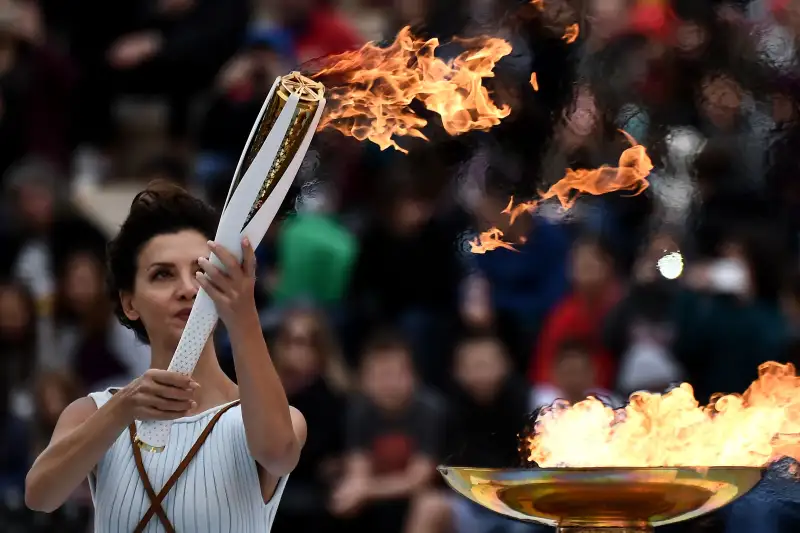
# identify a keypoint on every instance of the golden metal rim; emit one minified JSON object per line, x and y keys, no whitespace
{"x":305,"y":88}
{"x":597,"y":469}
{"x":603,"y":529}
{"x":497,"y":488}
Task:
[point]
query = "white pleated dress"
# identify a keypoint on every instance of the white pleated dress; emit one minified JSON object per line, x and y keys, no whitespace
{"x":218,"y":493}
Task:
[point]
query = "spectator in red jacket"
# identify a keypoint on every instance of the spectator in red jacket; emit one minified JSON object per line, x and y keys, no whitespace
{"x":317,"y":28}
{"x":580,"y":314}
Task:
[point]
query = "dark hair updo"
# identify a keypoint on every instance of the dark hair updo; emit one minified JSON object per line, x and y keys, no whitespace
{"x":161,"y":209}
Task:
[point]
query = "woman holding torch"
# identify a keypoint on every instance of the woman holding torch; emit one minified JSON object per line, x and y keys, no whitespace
{"x":231,"y":447}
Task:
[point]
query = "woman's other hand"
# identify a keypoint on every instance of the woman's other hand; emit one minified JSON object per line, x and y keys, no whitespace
{"x":160,"y":395}
{"x":232,"y":288}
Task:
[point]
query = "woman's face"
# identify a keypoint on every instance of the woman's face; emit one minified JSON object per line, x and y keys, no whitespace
{"x":83,"y":283}
{"x":165,"y":284}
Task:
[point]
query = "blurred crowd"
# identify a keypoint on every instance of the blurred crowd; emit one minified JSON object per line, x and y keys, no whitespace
{"x":403,"y":349}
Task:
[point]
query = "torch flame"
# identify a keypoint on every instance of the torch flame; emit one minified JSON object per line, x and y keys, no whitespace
{"x":673,"y":429}
{"x":488,"y":241}
{"x":571,"y":33}
{"x":379,"y":85}
{"x":631,"y":175}
{"x":534,"y":82}
{"x":513,"y":211}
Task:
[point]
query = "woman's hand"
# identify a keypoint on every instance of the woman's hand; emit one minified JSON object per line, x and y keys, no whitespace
{"x":159,"y":395}
{"x":233,"y":288}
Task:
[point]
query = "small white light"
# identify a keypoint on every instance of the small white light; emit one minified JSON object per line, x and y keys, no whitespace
{"x":671,"y":265}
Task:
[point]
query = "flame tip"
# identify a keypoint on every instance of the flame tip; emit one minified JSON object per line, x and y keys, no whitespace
{"x":381,"y":83}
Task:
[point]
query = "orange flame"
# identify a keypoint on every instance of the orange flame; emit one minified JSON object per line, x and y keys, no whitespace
{"x":513,"y":211}
{"x":631,"y":175}
{"x":539,"y":4}
{"x":379,"y":85}
{"x":673,"y":429}
{"x":571,"y":33}
{"x":534,"y":82}
{"x":488,"y":241}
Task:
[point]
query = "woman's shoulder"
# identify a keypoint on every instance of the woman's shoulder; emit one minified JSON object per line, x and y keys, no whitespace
{"x":76,"y":413}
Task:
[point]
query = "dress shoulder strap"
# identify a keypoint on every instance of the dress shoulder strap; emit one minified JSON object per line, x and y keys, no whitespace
{"x":100,"y":398}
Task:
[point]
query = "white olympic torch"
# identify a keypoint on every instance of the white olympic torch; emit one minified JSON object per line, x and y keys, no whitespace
{"x":269,"y":163}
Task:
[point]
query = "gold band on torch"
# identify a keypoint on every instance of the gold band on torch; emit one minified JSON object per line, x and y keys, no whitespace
{"x":311,"y":94}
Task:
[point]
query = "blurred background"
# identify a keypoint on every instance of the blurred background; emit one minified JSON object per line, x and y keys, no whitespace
{"x":397,"y":343}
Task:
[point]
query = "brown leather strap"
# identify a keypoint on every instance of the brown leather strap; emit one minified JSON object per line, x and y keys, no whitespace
{"x":155,"y":500}
{"x":148,"y":487}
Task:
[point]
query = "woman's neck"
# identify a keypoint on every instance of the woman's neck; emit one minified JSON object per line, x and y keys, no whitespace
{"x":215,"y":386}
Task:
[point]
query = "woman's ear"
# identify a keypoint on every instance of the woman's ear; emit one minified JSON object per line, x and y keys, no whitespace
{"x":126,"y":299}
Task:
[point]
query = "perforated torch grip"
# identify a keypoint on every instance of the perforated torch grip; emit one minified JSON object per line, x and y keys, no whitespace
{"x":153,"y":435}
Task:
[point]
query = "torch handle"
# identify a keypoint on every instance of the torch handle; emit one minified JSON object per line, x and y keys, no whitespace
{"x":154,"y":434}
